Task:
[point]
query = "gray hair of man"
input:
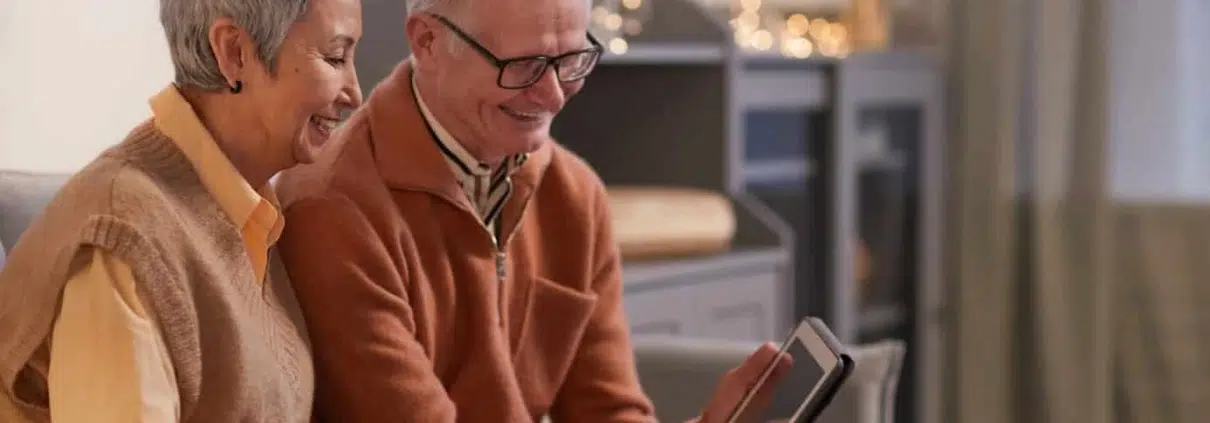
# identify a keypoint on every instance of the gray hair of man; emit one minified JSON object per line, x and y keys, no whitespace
{"x":446,"y":7}
{"x":187,"y":26}
{"x":433,"y":6}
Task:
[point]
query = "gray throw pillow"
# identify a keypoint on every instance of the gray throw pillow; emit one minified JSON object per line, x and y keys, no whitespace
{"x":869,"y":394}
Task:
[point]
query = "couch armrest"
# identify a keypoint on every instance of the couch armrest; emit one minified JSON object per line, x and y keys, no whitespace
{"x":679,"y":375}
{"x":23,"y":195}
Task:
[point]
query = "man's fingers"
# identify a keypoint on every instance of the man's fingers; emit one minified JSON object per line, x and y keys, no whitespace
{"x":780,"y":370}
{"x":756,"y":363}
{"x":742,"y":379}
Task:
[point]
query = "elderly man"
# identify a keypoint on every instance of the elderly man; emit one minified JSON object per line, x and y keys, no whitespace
{"x":452,"y":261}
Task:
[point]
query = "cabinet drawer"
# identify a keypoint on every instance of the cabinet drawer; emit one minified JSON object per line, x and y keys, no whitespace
{"x":662,"y":312}
{"x":743,"y":307}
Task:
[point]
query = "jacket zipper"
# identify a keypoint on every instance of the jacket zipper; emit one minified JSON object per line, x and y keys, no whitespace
{"x":502,"y":260}
{"x":500,"y":251}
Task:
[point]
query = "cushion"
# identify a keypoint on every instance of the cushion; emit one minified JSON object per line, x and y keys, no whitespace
{"x":869,"y":395}
{"x":658,"y":222}
{"x":23,"y":195}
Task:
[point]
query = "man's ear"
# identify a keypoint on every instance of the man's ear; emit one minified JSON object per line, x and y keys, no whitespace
{"x":422,"y":38}
{"x":227,"y":43}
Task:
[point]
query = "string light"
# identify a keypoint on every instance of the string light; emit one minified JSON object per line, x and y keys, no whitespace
{"x":762,"y":39}
{"x":632,"y":27}
{"x":798,"y":24}
{"x":796,"y":47}
{"x":599,"y":13}
{"x":614,"y":20}
{"x":618,"y":46}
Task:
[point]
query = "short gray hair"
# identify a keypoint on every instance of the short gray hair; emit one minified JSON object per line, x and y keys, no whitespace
{"x":415,"y":6}
{"x":187,"y":26}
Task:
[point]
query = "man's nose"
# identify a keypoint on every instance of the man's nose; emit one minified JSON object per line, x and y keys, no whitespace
{"x":547,"y":91}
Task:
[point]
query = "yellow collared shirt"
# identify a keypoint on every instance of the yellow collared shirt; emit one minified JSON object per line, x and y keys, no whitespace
{"x":108,"y":362}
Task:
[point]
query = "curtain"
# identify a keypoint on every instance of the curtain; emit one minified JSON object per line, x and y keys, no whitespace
{"x":1065,"y":304}
{"x":1163,"y":311}
{"x":1030,"y":246}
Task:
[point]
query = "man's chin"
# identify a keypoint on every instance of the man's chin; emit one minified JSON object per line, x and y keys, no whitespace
{"x":533,"y":143}
{"x":306,"y":151}
{"x":536,"y":141}
{"x":523,"y":143}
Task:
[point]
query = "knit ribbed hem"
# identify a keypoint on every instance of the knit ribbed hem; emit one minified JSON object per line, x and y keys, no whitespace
{"x":153,"y":152}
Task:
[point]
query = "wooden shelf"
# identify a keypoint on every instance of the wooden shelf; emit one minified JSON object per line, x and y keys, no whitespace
{"x":657,"y":54}
{"x":767,"y":171}
{"x":773,"y":59}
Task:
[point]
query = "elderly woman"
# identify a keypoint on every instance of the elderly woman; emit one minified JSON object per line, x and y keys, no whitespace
{"x":140,"y":294}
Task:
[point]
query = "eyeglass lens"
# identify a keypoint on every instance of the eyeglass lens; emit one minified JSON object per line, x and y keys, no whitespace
{"x":527,"y":71}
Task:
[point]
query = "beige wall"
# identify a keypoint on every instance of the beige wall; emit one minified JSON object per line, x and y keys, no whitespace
{"x":75,"y":77}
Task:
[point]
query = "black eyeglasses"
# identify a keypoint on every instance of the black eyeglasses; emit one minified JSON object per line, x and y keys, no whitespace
{"x":521,"y":72}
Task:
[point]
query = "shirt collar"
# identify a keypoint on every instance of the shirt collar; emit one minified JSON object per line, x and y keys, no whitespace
{"x":460,"y":160}
{"x":175,"y":117}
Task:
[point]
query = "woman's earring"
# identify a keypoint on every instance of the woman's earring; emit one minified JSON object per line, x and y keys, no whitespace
{"x":239,"y":86}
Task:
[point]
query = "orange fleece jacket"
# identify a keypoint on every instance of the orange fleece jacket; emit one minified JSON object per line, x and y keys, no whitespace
{"x":410,"y":317}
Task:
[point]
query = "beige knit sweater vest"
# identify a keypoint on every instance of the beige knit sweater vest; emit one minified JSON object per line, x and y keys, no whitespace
{"x":238,"y":347}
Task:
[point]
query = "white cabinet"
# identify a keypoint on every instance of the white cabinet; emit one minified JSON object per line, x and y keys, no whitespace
{"x":735,"y":296}
{"x":741,"y":308}
{"x":659,"y":312}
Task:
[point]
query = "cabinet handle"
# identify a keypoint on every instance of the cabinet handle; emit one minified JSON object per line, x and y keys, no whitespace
{"x":659,"y":328}
{"x":739,"y":310}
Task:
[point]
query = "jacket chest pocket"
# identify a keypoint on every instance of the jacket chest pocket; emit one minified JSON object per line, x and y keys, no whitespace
{"x":555,"y":320}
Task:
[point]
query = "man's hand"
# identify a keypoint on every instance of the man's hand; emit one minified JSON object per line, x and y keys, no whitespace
{"x":738,"y":381}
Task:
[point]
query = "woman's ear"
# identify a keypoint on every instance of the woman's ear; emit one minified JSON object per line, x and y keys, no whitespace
{"x":226,"y":41}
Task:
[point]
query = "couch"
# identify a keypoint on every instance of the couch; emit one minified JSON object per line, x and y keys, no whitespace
{"x":679,"y":374}
{"x":22,"y":196}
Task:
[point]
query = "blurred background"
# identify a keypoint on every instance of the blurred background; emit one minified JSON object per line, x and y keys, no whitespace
{"x":1013,"y":193}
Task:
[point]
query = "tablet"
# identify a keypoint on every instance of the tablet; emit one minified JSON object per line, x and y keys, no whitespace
{"x":819,"y":367}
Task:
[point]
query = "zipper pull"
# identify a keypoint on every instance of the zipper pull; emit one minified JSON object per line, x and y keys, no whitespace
{"x":501,"y":267}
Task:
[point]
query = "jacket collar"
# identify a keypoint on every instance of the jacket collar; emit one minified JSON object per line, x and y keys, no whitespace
{"x":409,"y":158}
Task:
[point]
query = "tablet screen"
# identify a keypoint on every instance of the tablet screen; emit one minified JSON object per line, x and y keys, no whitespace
{"x":795,"y":386}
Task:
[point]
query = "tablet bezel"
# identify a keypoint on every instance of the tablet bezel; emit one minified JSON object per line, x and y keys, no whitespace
{"x":827,"y":352}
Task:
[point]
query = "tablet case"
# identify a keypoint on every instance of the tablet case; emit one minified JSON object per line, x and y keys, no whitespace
{"x":830,"y":387}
